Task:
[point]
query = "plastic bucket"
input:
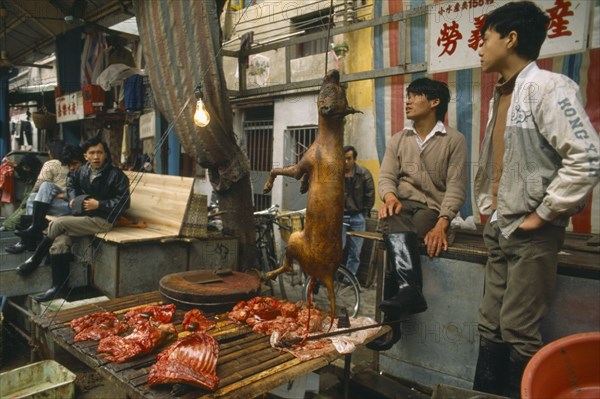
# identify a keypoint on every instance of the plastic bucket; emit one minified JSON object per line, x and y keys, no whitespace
{"x":567,"y":368}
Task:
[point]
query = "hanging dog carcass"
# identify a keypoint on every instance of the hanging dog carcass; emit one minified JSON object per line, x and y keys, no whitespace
{"x":318,"y":248}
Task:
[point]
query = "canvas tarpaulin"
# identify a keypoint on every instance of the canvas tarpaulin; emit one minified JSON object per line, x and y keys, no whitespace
{"x":181,"y":42}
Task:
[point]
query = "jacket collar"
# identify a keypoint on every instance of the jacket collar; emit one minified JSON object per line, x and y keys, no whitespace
{"x":530,"y":70}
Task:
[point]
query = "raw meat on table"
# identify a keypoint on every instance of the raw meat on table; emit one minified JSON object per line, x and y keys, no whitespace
{"x":97,"y":326}
{"x":144,"y":338}
{"x":159,"y":313}
{"x":194,"y":320}
{"x":191,"y":360}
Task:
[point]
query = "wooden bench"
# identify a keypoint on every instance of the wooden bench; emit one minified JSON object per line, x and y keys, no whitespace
{"x":132,"y":260}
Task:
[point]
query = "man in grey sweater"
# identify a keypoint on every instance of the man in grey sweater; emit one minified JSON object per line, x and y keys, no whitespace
{"x":423,"y":183}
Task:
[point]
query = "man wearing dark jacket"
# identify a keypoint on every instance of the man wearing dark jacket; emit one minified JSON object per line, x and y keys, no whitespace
{"x":359,"y":197}
{"x":98,"y":195}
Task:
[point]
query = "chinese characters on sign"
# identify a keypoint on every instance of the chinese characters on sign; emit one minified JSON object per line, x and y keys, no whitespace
{"x":69,"y":107}
{"x":448,"y":38}
{"x":455,"y":38}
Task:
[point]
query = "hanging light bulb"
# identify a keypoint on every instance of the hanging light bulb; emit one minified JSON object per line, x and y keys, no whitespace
{"x":201,"y":116}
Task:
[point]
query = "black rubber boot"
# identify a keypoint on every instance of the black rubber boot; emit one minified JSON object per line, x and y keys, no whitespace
{"x":60,"y":275}
{"x":32,"y":263}
{"x":516,"y":367}
{"x":403,"y":253}
{"x":38,"y":223}
{"x":491,"y":372}
{"x":24,"y":222}
{"x":385,"y":342}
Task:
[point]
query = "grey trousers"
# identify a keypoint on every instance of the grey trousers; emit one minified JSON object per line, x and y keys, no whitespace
{"x":63,"y":229}
{"x":520,"y":276}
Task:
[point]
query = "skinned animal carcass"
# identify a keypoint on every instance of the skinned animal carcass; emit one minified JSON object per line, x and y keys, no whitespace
{"x":318,"y":248}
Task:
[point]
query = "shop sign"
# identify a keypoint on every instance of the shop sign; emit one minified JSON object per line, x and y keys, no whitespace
{"x":454,"y":37}
{"x":69,"y":107}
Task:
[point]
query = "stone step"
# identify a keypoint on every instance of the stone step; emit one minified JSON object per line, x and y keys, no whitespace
{"x":12,"y":283}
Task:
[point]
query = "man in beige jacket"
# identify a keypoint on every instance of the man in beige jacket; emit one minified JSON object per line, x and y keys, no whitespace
{"x":423,"y":183}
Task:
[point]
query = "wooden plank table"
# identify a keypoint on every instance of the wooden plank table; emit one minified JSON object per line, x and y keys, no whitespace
{"x":247,"y":366}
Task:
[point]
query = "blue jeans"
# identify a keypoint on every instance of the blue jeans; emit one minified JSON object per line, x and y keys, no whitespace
{"x":47,"y":193}
{"x":353,"y":223}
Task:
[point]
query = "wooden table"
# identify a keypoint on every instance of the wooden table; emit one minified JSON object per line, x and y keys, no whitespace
{"x":247,"y":366}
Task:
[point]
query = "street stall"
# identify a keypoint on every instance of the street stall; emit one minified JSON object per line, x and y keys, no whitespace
{"x":247,"y":364}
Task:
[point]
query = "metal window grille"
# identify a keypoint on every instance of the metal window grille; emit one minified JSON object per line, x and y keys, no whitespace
{"x":297,"y":141}
{"x":259,"y":147}
{"x":311,"y":23}
{"x":259,"y":144}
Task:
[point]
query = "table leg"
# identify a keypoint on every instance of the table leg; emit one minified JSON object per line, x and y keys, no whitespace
{"x":347,"y":364}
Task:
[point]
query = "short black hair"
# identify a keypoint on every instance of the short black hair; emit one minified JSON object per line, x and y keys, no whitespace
{"x":28,"y":168}
{"x":94,"y":141}
{"x":525,"y":18}
{"x":432,"y":89}
{"x":351,"y":148}
{"x":71,"y":153}
{"x":55,"y":148}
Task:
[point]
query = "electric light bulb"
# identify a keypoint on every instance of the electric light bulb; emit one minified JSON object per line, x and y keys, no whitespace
{"x":201,"y":117}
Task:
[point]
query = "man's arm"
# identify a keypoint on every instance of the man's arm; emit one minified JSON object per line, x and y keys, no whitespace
{"x":456,"y":180}
{"x":369,"y":192}
{"x":454,"y":198}
{"x":120,"y":200}
{"x":562,"y":120}
{"x":388,"y":180}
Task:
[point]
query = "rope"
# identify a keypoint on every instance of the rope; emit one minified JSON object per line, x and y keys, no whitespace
{"x":328,"y":34}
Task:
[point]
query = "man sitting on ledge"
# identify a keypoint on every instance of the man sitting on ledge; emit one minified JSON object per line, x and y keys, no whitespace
{"x":98,"y":195}
{"x":423,"y":184}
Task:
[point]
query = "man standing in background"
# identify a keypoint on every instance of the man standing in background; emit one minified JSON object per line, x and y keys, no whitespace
{"x":359,"y":197}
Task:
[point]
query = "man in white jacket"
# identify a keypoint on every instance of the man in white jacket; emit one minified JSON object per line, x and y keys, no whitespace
{"x":539,"y":161}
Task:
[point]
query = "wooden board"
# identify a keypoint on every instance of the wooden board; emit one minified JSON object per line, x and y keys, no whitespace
{"x":158,"y":200}
{"x":247,"y":366}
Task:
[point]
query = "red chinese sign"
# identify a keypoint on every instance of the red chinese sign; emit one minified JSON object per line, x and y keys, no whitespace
{"x":456,"y":26}
{"x":448,"y":38}
{"x":558,"y":25}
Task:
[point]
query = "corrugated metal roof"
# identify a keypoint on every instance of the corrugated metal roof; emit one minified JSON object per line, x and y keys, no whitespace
{"x":30,"y":26}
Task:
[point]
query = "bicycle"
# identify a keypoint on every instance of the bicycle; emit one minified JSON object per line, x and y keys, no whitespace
{"x":346,"y":285}
{"x":265,"y":245}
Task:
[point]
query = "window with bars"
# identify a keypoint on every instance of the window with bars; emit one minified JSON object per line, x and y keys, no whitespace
{"x":259,"y":148}
{"x":311,"y":23}
{"x":259,"y":144}
{"x":297,"y":141}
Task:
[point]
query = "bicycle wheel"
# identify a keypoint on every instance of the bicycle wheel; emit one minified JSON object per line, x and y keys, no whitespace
{"x":346,"y":289}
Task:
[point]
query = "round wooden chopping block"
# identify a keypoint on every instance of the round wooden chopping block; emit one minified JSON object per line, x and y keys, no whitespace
{"x":207,"y":290}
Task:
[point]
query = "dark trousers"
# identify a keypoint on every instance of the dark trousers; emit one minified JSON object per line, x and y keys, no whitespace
{"x":414,"y":216}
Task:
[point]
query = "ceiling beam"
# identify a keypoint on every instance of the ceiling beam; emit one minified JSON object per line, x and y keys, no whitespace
{"x":35,"y":20}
